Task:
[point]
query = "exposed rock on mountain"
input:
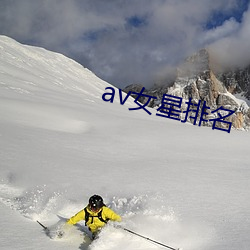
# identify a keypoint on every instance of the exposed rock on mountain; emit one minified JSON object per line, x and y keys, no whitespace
{"x":196,"y":80}
{"x":237,"y":81}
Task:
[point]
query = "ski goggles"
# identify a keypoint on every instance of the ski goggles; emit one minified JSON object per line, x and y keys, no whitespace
{"x":94,"y":208}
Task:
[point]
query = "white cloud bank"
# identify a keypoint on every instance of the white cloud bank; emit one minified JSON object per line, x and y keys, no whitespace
{"x":129,"y":41}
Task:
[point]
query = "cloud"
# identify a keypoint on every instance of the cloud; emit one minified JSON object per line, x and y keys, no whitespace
{"x":121,"y":41}
{"x":233,"y":49}
{"x":228,"y":28}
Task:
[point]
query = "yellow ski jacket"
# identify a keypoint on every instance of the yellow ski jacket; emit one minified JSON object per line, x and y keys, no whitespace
{"x":94,"y":223}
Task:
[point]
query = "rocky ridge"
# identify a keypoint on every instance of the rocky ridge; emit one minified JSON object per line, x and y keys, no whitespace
{"x":196,"y":79}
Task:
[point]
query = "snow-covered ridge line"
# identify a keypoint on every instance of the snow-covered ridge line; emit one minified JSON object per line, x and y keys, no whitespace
{"x":34,"y":60}
{"x":26,"y":69}
{"x":33,"y":74}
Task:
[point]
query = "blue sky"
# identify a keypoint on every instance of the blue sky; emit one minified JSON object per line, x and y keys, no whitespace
{"x":131,"y":41}
{"x":218,"y":17}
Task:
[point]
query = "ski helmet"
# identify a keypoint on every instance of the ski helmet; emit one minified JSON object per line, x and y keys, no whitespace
{"x":95,"y":202}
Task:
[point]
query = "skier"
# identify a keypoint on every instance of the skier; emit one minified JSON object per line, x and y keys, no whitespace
{"x":95,"y":214}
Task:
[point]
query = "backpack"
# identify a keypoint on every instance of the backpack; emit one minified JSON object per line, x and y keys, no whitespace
{"x":88,"y":216}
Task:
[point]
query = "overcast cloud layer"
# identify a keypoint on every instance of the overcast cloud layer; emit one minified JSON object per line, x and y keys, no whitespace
{"x":131,"y":41}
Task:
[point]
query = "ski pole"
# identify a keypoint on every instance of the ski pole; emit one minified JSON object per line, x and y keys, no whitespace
{"x":146,"y":238}
{"x":45,"y":228}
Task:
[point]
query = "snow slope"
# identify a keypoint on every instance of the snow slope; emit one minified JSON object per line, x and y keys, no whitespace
{"x":183,"y":185}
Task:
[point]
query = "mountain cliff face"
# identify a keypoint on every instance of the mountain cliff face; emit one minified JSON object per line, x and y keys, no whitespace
{"x":237,"y":81}
{"x":196,"y":80}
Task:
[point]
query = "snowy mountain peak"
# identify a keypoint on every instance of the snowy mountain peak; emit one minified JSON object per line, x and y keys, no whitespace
{"x":197,"y":64}
{"x":196,"y":79}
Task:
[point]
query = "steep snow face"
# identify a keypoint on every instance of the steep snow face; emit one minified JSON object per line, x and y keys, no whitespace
{"x":31,"y":74}
{"x":37,"y":69}
{"x":185,"y":186}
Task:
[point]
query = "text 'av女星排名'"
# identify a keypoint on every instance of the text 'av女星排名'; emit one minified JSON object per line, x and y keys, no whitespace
{"x":172,"y":107}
